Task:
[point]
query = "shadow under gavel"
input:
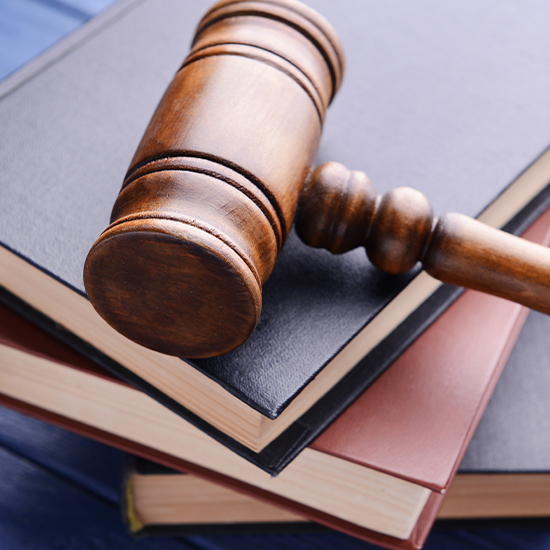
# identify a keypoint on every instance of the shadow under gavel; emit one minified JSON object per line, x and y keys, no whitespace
{"x":224,"y":165}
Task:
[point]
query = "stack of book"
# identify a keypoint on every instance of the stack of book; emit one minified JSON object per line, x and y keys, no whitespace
{"x":349,"y":405}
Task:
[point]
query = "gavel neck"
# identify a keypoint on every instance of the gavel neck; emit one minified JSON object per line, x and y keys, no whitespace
{"x":340,"y":210}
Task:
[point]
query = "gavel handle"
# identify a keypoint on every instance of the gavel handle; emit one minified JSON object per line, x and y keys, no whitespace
{"x":468,"y":253}
{"x":340,"y":210}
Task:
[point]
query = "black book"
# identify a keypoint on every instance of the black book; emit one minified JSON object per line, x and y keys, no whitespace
{"x":158,"y":501}
{"x":450,"y":100}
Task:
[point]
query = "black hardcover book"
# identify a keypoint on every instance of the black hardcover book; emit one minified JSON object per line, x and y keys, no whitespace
{"x":158,"y":501}
{"x":449,"y":99}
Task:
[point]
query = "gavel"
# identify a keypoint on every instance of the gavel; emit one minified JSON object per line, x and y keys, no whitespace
{"x":225,"y":166}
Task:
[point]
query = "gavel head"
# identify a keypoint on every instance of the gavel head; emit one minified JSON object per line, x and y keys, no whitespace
{"x":212,"y":190}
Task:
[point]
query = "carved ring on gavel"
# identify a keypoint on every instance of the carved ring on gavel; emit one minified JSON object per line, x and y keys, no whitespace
{"x":214,"y":185}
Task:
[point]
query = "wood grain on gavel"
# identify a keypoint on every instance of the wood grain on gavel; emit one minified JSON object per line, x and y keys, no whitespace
{"x":214,"y":185}
{"x":340,"y":210}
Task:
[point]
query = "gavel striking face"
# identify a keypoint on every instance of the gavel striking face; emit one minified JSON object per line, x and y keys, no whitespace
{"x":224,"y":165}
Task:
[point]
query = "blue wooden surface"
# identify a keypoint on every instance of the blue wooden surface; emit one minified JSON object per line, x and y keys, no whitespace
{"x":28,"y":27}
{"x":59,"y":491}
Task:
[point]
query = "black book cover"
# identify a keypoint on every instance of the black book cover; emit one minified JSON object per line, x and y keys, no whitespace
{"x":514,"y":433}
{"x":449,"y":99}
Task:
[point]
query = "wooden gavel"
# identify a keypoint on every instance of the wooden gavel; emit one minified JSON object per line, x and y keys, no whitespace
{"x":224,"y":165}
